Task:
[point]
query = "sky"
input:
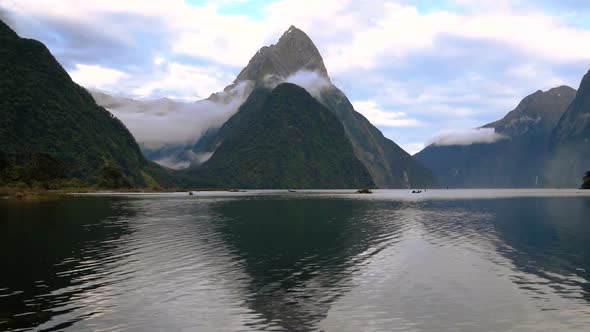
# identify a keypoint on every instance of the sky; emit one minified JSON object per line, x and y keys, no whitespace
{"x":415,"y":69}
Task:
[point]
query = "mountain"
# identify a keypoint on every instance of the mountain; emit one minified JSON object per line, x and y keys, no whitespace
{"x":186,"y":122}
{"x":295,"y":53}
{"x":569,"y":147}
{"x":518,"y":159}
{"x":47,"y":118}
{"x":283,"y":138}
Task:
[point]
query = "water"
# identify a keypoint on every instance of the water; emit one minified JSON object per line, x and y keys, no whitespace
{"x":391,"y":261}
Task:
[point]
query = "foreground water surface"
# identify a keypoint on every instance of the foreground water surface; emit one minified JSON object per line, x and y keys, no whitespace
{"x":391,"y":261}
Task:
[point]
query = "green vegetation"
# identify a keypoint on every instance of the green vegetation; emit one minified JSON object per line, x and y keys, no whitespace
{"x":586,"y":184}
{"x":53,"y":132}
{"x":282,"y":139}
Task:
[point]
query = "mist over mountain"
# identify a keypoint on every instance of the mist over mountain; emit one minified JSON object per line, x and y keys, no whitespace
{"x":166,"y":129}
{"x":296,"y":59}
{"x":510,"y":152}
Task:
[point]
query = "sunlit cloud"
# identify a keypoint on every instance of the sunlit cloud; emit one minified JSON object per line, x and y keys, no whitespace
{"x":380,"y":117}
{"x":96,"y":76}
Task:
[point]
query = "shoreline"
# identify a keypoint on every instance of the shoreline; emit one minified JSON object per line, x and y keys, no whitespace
{"x":39,"y":194}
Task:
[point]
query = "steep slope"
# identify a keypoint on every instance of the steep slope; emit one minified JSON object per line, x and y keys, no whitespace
{"x":44,"y":111}
{"x":389,"y":165}
{"x":168,"y":129}
{"x":570,"y":141}
{"x":518,"y":160}
{"x":282,"y":139}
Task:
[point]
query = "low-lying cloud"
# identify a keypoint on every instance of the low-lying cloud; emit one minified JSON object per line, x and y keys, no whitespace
{"x":313,"y":82}
{"x":184,"y":159}
{"x":164,"y":122}
{"x":468,"y":137}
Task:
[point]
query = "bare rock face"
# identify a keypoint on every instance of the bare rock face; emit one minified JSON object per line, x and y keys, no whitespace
{"x":294,"y":52}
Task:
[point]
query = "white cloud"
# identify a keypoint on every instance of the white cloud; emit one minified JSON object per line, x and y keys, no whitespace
{"x":96,"y":76}
{"x":468,"y":137}
{"x":311,"y":81}
{"x":379,"y":117}
{"x":165,"y":122}
{"x":360,"y":41}
{"x":159,"y":61}
{"x":185,"y":82}
{"x":413,"y":148}
{"x":381,"y":29}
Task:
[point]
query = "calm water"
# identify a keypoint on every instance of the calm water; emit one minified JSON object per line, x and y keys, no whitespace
{"x":444,"y":261}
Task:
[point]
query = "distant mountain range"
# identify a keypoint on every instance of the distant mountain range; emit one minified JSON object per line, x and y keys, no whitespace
{"x":544,"y":142}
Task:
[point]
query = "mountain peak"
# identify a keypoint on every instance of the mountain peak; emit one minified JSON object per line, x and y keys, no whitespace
{"x":294,"y":33}
{"x":539,"y":111}
{"x":293,"y":52}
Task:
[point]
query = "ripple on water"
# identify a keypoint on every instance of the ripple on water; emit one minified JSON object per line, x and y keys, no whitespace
{"x":296,"y":263}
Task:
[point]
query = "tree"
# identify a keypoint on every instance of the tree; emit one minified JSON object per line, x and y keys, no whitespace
{"x":44,"y":167}
{"x":112,"y":177}
{"x":586,"y":184}
{"x":4,"y":161}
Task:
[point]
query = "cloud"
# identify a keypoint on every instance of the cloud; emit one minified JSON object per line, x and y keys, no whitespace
{"x":413,"y":148}
{"x":461,"y":64}
{"x":468,"y":137}
{"x":96,"y":76}
{"x":159,"y":61}
{"x":379,"y":117}
{"x":183,"y":82}
{"x":163,"y":122}
{"x":311,"y":81}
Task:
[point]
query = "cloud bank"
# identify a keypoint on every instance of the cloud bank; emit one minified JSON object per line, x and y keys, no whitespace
{"x":313,"y":82}
{"x":468,"y":137}
{"x":161,"y":122}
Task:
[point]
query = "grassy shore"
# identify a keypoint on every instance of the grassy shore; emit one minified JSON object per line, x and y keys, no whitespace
{"x":30,"y":194}
{"x":27,"y":194}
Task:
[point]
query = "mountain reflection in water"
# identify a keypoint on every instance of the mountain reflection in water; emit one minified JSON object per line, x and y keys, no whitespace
{"x":302,"y":262}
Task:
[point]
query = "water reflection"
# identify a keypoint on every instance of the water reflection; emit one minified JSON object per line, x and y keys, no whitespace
{"x":301,"y":253}
{"x":299,"y":263}
{"x":52,"y":252}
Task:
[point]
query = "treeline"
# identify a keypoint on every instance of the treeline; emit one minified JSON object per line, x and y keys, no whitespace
{"x":43,"y":170}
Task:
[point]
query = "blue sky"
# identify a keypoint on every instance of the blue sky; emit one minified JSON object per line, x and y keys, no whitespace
{"x":414,"y":68}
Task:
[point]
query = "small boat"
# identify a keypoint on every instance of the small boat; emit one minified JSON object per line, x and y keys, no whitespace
{"x":416,"y":191}
{"x":291,"y":191}
{"x":190,"y":193}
